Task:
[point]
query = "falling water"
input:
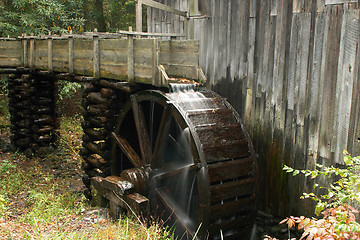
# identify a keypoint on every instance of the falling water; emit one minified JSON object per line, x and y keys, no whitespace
{"x":183,"y":186}
{"x":181,"y":87}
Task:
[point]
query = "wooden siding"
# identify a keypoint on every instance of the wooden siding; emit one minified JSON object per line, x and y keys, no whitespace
{"x":291,"y":69}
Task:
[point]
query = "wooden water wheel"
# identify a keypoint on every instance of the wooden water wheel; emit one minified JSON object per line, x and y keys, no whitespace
{"x":189,"y":154}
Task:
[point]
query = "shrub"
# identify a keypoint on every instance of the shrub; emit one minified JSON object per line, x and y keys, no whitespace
{"x":336,"y":204}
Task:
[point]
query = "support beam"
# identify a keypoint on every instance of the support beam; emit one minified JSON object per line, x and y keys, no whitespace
{"x":96,"y":58}
{"x":164,"y":7}
{"x":50,"y":54}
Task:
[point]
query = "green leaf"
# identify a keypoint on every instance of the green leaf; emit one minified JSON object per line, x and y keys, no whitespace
{"x":319,"y":208}
{"x":296,"y":172}
{"x":348,"y":160}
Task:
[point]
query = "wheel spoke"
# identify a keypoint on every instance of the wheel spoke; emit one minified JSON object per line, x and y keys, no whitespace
{"x":128,"y":150}
{"x":161,"y":137}
{"x":142,"y":132}
{"x":176,"y":211}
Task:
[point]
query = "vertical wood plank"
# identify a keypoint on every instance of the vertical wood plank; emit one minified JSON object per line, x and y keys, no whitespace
{"x":31,"y":53}
{"x":50,"y":55}
{"x":96,"y":58}
{"x":25,"y":53}
{"x":155,"y":63}
{"x":329,"y":73}
{"x":130,"y":58}
{"x":315,"y":90}
{"x":71,"y":54}
{"x":350,"y":34}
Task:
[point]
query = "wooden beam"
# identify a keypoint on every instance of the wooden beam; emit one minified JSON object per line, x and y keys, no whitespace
{"x":155,"y":75}
{"x":143,"y":34}
{"x":71,"y":54}
{"x":130,"y":58}
{"x":25,"y":53}
{"x":127,"y":150}
{"x":164,"y":7}
{"x":50,"y":55}
{"x":96,"y":56}
{"x":32,"y":53}
{"x":335,"y":2}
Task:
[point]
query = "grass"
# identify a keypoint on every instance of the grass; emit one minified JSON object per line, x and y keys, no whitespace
{"x":41,"y":198}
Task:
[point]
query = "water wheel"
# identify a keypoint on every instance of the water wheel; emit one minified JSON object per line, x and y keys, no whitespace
{"x":189,"y":154}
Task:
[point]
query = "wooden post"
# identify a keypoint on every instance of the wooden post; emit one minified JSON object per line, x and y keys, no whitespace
{"x":96,"y":59}
{"x":32,"y":55}
{"x":156,"y":80}
{"x":71,"y":54}
{"x":138,"y":16}
{"x":50,"y":55}
{"x":130,"y":59}
{"x":25,"y":53}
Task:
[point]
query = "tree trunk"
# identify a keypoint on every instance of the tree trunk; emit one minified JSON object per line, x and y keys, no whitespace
{"x":99,"y":16}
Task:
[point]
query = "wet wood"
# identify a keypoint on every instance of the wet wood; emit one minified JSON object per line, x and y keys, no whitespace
{"x":96,"y":110}
{"x":94,"y":147}
{"x":100,"y":134}
{"x":95,"y":97}
{"x":220,"y":133}
{"x":232,"y":189}
{"x":224,"y":151}
{"x":228,"y":209}
{"x":128,"y":150}
{"x":44,"y":119}
{"x":142,"y":132}
{"x":230,"y":169}
{"x":162,"y":136}
{"x":139,"y":204}
{"x":106,"y":92}
{"x":211,"y":116}
{"x":238,"y":223}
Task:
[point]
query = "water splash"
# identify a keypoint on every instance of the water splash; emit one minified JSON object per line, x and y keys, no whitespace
{"x":182,"y":87}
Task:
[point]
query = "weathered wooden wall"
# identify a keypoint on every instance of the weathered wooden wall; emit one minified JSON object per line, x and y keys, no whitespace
{"x":291,"y":69}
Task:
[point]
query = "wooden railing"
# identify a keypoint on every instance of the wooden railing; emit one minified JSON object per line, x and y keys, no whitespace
{"x":125,"y":55}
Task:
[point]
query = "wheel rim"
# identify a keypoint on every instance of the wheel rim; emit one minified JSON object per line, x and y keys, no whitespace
{"x":185,"y":187}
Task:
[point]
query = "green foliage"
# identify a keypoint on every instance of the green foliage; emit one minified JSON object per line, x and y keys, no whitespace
{"x":40,"y":17}
{"x":49,"y":206}
{"x":68,"y":89}
{"x":339,"y":221}
{"x":343,"y":191}
{"x":3,"y":84}
{"x":59,"y":16}
{"x":117,"y":15}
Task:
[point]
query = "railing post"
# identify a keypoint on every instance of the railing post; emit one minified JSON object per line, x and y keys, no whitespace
{"x":50,"y":54}
{"x":96,"y":58}
{"x":130,"y":59}
{"x":25,"y":52}
{"x":32,"y":52}
{"x":71,"y":54}
{"x":156,"y":80}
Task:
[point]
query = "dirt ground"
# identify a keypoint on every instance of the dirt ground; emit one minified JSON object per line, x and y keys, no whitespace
{"x":63,"y":168}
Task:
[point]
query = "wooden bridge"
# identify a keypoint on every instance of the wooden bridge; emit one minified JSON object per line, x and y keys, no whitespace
{"x":125,"y":56}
